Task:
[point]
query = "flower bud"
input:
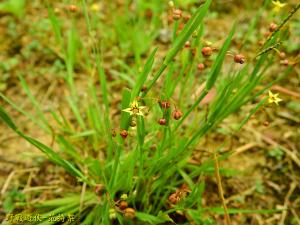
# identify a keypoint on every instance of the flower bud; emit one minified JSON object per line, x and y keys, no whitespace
{"x":112,"y":214}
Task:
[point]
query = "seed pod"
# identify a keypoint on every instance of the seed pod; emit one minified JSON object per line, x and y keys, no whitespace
{"x":72,"y":8}
{"x":282,"y":55}
{"x":174,"y":198}
{"x":177,"y":114}
{"x":180,"y":27}
{"x":266,"y":123}
{"x":239,"y":59}
{"x":187,"y":17}
{"x":272,"y":27}
{"x":129,"y":213}
{"x":123,"y":205}
{"x":124,"y":133}
{"x":165,"y":104}
{"x":177,"y":14}
{"x":162,"y":121}
{"x":206,"y":51}
{"x":187,"y":44}
{"x":267,"y":34}
{"x":201,"y":66}
{"x":285,"y":62}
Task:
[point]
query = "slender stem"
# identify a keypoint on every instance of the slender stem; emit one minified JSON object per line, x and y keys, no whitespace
{"x":220,"y":189}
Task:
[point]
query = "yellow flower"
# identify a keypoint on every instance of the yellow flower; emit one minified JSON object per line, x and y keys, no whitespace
{"x":135,"y":109}
{"x":273,"y":98}
{"x":95,"y":7}
{"x":278,"y":5}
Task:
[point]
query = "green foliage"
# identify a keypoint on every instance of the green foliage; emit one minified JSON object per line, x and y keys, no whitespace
{"x":15,"y":7}
{"x":151,"y":163}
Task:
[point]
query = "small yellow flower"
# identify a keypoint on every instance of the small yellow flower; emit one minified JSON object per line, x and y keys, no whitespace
{"x":95,"y":7}
{"x":278,"y":5}
{"x":135,"y":109}
{"x":273,"y":98}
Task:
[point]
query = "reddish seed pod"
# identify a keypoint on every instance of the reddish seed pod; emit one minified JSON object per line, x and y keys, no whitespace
{"x":162,"y":121}
{"x":187,"y":17}
{"x":72,"y":8}
{"x":165,"y":104}
{"x":129,"y":213}
{"x":282,"y":55}
{"x":180,"y":26}
{"x":285,"y":62}
{"x":123,"y":205}
{"x":267,"y":34}
{"x":187,"y":44}
{"x":201,"y":66}
{"x":177,"y":114}
{"x":173,"y":198}
{"x":266,"y":123}
{"x":206,"y":51}
{"x":124,"y":133}
{"x":272,"y":27}
{"x":177,"y":14}
{"x":239,"y":59}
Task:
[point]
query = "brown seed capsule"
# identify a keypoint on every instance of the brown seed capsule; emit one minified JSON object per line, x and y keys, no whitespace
{"x":266,"y":123}
{"x":180,"y":26}
{"x":177,"y":114}
{"x":187,"y":17}
{"x":272,"y":27}
{"x":174,"y":198}
{"x":165,"y":104}
{"x":124,"y":133}
{"x":285,"y":62}
{"x":72,"y":8}
{"x":123,"y":205}
{"x":162,"y":121}
{"x":187,"y":44}
{"x":206,"y":51}
{"x":282,"y":55}
{"x":129,"y":213}
{"x":201,"y":66}
{"x":239,"y":59}
{"x":177,"y":14}
{"x":267,"y":34}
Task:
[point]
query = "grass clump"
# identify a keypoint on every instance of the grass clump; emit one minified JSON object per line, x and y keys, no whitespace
{"x":131,"y":160}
